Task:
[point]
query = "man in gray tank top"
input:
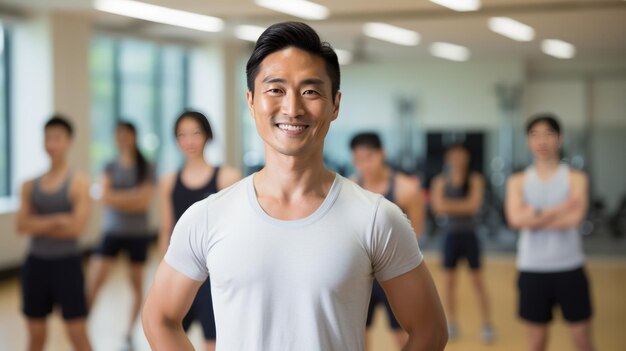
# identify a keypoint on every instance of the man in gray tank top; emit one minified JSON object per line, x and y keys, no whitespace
{"x":547,"y":202}
{"x":54,"y":211}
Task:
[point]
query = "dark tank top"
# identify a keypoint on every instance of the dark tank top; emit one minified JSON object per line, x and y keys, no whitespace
{"x":458,"y":224}
{"x":47,"y":203}
{"x":184,"y":197}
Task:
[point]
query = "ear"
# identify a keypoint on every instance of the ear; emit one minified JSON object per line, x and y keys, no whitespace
{"x":336,"y":104}
{"x":250,"y":101}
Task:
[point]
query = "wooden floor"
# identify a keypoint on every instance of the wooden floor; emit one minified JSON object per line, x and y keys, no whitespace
{"x":108,"y":320}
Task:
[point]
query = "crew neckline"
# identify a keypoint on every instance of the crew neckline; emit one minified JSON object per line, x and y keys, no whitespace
{"x":294,"y":223}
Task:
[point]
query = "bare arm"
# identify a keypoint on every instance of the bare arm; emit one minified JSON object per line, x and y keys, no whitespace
{"x":411,"y":200}
{"x":30,"y":223}
{"x":415,"y":303}
{"x":74,"y":223}
{"x":166,"y":211}
{"x":168,"y":300}
{"x":578,"y":200}
{"x":522,"y":216}
{"x":135,"y":200}
{"x":469,"y":205}
{"x":227,"y":177}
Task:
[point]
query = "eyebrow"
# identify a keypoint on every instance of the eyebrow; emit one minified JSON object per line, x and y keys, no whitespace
{"x":308,"y":81}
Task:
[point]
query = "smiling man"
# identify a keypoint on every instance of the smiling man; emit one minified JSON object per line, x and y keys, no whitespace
{"x":293,"y":249}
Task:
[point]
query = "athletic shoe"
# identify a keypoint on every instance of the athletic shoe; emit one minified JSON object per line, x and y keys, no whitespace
{"x":487,"y":334}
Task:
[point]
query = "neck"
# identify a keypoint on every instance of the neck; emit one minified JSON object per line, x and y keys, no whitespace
{"x":546,"y":165}
{"x":196,"y":162}
{"x":457,"y":173}
{"x":58,"y":166}
{"x":288,"y":177}
{"x":381,"y":175}
{"x":127,"y":156}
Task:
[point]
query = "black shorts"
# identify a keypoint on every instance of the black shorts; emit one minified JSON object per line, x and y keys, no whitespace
{"x":461,"y":245}
{"x":47,"y":283}
{"x":202,"y":311}
{"x":135,"y":247}
{"x":379,"y":297}
{"x":540,"y":292}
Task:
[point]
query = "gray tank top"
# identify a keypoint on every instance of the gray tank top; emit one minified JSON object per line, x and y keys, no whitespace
{"x":457,"y":224}
{"x":123,"y":224}
{"x":548,"y":250}
{"x":52,"y":203}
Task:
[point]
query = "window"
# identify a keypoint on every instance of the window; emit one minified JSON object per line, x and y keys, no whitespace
{"x":5,"y":141}
{"x":141,"y":82}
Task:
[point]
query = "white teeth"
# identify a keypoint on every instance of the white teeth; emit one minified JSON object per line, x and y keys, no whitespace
{"x":291,"y":128}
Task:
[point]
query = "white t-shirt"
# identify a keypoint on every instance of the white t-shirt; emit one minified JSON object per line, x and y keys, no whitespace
{"x":293,"y":285}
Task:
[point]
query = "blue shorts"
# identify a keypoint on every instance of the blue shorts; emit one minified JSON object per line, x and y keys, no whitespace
{"x":135,"y":247}
{"x":379,"y":297}
{"x":202,"y":311}
{"x":461,"y":245}
{"x":47,"y":283}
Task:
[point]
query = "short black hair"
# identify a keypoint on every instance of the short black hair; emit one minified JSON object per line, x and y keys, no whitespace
{"x":367,"y":139}
{"x":282,"y":35}
{"x":200,"y":118}
{"x":548,"y":118}
{"x":60,"y":121}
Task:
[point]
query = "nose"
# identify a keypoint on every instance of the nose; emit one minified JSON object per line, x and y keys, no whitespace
{"x":292,"y":105}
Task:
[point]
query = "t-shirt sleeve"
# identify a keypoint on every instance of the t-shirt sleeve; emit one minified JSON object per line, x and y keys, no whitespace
{"x":395,"y":250}
{"x":189,"y":243}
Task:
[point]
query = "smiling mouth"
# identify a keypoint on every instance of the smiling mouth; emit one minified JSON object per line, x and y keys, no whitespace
{"x":292,"y":128}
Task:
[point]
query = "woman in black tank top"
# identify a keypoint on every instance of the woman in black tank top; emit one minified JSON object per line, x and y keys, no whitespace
{"x":457,"y":196}
{"x":196,"y":180}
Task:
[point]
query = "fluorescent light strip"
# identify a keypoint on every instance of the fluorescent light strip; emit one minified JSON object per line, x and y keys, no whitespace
{"x":511,"y":28}
{"x":160,"y":14}
{"x":249,"y":32}
{"x":449,"y":51}
{"x":558,"y":48}
{"x":392,"y":34}
{"x":345,"y":57}
{"x":459,"y":5}
{"x":299,"y":8}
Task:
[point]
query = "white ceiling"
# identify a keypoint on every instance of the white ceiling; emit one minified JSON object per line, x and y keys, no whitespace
{"x":596,"y":27}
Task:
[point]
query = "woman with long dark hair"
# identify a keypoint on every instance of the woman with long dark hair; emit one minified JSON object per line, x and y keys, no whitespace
{"x":196,"y":180}
{"x":457,"y":196}
{"x":128,"y":186}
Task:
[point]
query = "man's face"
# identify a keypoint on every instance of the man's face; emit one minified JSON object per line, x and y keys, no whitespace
{"x":56,"y":141}
{"x":543,"y":141}
{"x":293,"y":104}
{"x":368,"y":160}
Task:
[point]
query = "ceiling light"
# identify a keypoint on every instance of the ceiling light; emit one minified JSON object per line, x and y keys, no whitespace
{"x":344,"y":56}
{"x":449,"y":51}
{"x":299,"y":8}
{"x":511,"y":28}
{"x":391,"y":33}
{"x":160,"y":14}
{"x":558,"y":48}
{"x":459,"y":5}
{"x":248,"y":32}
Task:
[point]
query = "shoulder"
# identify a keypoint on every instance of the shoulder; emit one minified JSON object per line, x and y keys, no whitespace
{"x":578,"y":177}
{"x":355,"y":193}
{"x":516,"y":178}
{"x":227,"y":176}
{"x":27,"y":186}
{"x":438,"y":180}
{"x":80,"y":179}
{"x":167,"y":181}
{"x":407,"y":186}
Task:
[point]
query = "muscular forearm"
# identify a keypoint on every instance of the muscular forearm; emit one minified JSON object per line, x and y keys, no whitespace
{"x":167,"y":336}
{"x":435,"y":340}
{"x":37,"y":224}
{"x":126,"y":201}
{"x":564,"y":221}
{"x":456,"y":207}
